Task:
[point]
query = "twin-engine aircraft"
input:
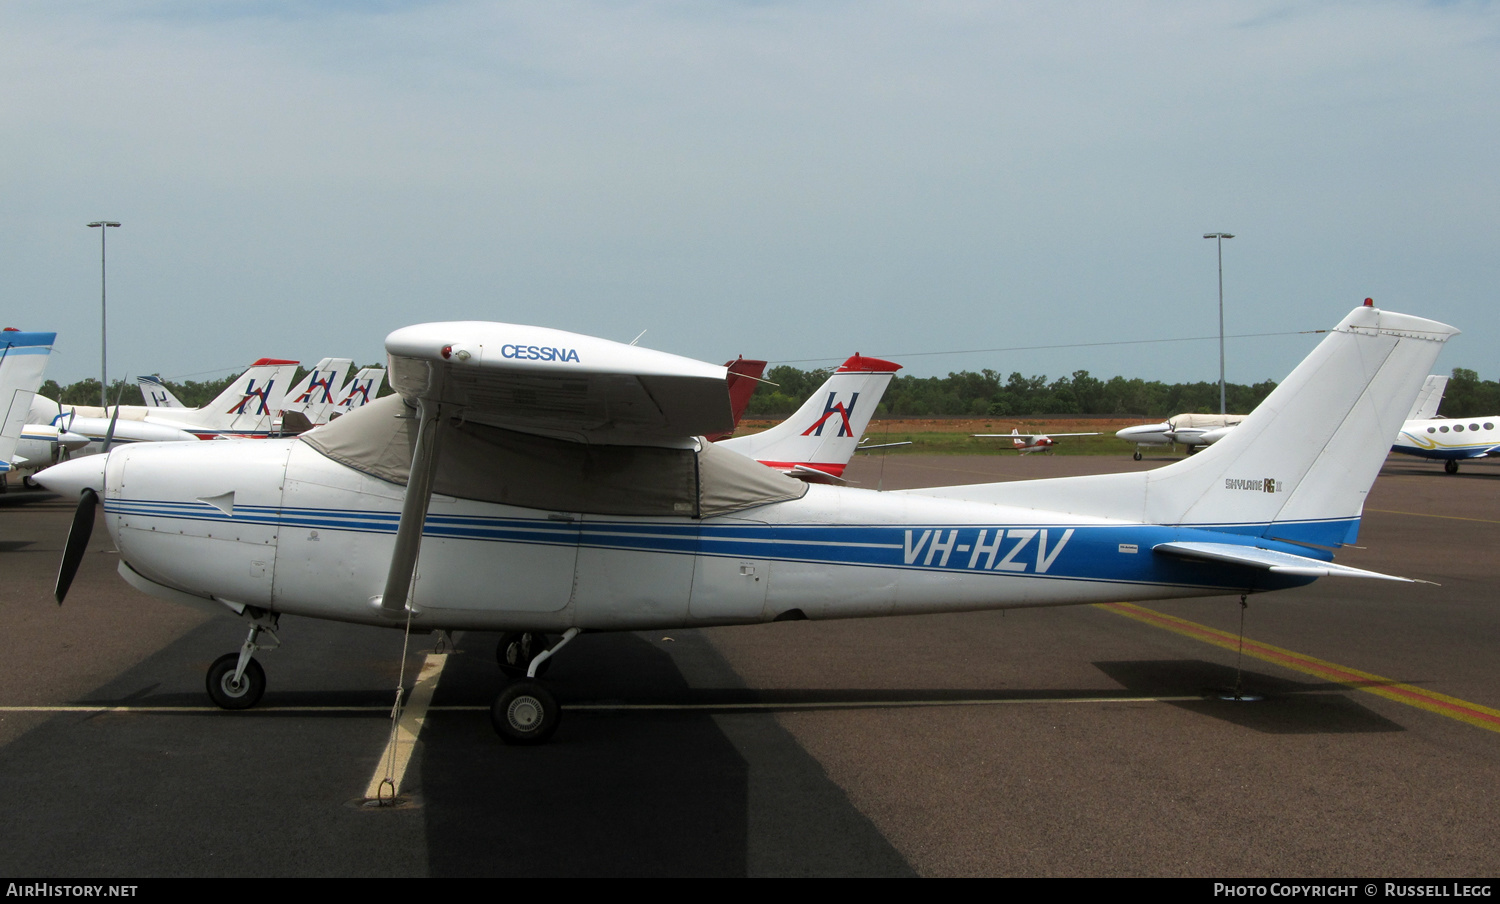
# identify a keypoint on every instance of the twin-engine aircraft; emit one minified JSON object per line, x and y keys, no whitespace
{"x":541,"y":483}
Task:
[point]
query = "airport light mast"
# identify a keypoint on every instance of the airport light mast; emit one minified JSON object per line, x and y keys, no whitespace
{"x":102,"y":226}
{"x":1219,"y":238}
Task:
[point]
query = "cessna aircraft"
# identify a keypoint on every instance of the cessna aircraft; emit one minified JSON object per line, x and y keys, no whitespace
{"x":244,"y":409}
{"x":1027,"y":443}
{"x":816,"y":442}
{"x":538,"y":483}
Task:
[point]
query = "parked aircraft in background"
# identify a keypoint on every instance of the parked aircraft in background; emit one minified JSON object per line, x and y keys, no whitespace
{"x":1190,"y":430}
{"x":552,"y":483}
{"x":245,"y":409}
{"x":1450,"y":440}
{"x":1194,"y":430}
{"x":1027,"y":443}
{"x":816,"y":442}
{"x":315,"y":398}
{"x":360,"y":391}
{"x":23,"y":361}
{"x":155,"y":393}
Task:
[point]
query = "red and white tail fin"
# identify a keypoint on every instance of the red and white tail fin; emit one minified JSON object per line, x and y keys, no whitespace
{"x":825,"y":432}
{"x":744,"y":376}
{"x":246,"y":407}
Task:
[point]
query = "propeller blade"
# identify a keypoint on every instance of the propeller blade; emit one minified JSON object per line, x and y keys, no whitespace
{"x":109,"y":436}
{"x":78,"y":542}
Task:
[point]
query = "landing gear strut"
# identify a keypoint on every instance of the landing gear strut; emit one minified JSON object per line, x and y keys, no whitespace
{"x":525,"y":712}
{"x":236,"y":680}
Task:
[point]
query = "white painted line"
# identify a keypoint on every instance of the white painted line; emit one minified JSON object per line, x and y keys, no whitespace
{"x":610,"y":707}
{"x":397,"y":755}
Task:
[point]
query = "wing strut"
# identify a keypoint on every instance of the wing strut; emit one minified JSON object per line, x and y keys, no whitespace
{"x":413,"y":510}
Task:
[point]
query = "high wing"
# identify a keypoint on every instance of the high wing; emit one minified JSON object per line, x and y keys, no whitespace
{"x":537,"y":380}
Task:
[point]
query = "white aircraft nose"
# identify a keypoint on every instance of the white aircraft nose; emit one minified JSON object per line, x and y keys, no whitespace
{"x":71,"y":477}
{"x":72,"y":441}
{"x":1142,"y":430}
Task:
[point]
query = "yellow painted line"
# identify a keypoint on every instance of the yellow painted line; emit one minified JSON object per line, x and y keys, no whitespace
{"x":1432,"y":701}
{"x":397,"y":756}
{"x":1427,"y":515}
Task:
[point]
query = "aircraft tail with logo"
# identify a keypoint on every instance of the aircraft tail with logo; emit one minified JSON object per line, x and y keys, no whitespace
{"x":1297,"y":468}
{"x":156,"y":394}
{"x":316,"y":397}
{"x":360,"y":391}
{"x":247,"y":407}
{"x":23,"y":360}
{"x":817,"y":442}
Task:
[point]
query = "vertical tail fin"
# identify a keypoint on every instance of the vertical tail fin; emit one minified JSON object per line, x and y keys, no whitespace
{"x":23,"y":360}
{"x":249,"y":403}
{"x":825,"y":431}
{"x":1428,"y":400}
{"x":317,"y":394}
{"x":156,"y":394}
{"x":1297,"y":468}
{"x":360,"y":391}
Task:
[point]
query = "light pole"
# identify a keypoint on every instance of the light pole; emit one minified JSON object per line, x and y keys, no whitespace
{"x":1219,"y":238}
{"x":102,"y":226}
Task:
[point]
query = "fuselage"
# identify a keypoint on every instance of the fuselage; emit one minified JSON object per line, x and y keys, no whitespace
{"x":277,"y":525}
{"x":1449,"y":438}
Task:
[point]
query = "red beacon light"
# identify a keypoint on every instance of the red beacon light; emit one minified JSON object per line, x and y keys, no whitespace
{"x":1369,"y":302}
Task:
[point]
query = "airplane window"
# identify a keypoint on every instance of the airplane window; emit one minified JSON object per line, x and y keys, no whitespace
{"x":1458,"y":428}
{"x":1444,"y":429}
{"x":1488,"y":425}
{"x":1431,"y":429}
{"x":1473,"y":426}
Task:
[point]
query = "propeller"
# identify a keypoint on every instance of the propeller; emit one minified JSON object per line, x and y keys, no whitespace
{"x":78,"y":542}
{"x":83,"y":520}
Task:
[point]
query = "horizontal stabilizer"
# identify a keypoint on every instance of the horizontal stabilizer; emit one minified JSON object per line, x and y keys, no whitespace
{"x":1269,"y":560}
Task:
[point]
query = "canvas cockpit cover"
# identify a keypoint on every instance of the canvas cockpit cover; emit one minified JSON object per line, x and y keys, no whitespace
{"x":491,"y":464}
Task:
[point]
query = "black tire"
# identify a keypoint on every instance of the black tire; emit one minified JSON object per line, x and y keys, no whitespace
{"x":229,"y":696}
{"x":525,"y":713}
{"x":1137,"y":455}
{"x":1451,"y":466}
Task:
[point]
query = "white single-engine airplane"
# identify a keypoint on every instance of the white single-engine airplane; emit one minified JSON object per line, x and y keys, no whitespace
{"x":1027,"y":443}
{"x":537,"y":482}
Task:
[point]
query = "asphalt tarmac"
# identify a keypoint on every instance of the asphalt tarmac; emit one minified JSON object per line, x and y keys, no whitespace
{"x":1079,"y":741}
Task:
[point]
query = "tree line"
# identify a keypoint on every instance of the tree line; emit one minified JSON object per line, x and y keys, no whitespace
{"x":192,"y":393}
{"x":963,"y":394}
{"x":985,"y":394}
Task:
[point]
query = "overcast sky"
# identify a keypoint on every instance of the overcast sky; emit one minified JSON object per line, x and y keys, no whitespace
{"x":789,"y":181}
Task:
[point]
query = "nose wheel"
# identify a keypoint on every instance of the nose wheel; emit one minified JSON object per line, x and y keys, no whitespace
{"x":236,"y":680}
{"x":231,"y":688}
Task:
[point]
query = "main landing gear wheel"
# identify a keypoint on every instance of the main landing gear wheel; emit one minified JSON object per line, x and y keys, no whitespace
{"x":525,"y":713}
{"x":516,"y":650}
{"x":1451,"y":466}
{"x":228,"y":693}
{"x":1137,"y":455}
